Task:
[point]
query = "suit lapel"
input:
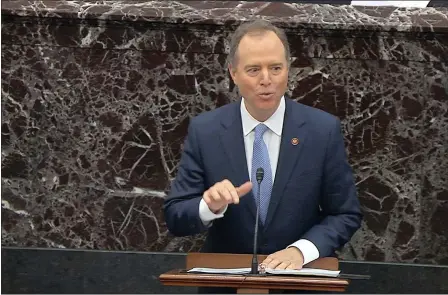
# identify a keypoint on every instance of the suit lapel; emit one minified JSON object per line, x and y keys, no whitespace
{"x":294,"y":127}
{"x":232,"y":140}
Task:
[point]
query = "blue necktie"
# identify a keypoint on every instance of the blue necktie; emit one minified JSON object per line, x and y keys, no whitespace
{"x":260,"y":159}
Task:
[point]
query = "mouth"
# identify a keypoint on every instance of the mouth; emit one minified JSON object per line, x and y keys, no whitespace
{"x":266,"y":95}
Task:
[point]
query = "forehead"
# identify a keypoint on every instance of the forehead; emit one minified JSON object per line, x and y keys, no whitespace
{"x":261,"y":48}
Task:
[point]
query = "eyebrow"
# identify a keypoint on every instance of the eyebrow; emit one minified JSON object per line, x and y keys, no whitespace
{"x":271,"y":65}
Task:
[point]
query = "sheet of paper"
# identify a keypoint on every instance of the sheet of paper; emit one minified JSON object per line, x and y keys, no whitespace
{"x":305,"y":272}
{"x":246,"y":270}
{"x":221,"y":270}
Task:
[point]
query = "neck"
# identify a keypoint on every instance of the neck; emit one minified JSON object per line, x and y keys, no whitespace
{"x":261,"y":117}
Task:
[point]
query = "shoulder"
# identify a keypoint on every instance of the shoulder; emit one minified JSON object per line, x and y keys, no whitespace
{"x":213,"y":118}
{"x":315,"y":117}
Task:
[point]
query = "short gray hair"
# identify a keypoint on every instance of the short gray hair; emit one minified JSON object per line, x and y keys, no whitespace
{"x":256,"y":26}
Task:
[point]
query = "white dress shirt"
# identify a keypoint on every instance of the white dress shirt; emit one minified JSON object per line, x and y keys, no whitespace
{"x":272,"y":138}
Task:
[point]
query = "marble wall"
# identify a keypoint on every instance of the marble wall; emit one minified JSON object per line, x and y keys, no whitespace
{"x":96,"y":100}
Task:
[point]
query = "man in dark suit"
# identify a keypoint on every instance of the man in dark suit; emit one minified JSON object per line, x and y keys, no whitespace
{"x":308,"y":202}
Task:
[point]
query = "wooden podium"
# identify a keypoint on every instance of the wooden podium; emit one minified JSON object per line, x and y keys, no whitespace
{"x":250,"y":284}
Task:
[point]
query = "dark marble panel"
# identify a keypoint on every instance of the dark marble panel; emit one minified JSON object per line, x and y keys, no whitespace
{"x":295,"y":15}
{"x":53,"y":271}
{"x":437,"y":3}
{"x":368,"y":46}
{"x":90,"y":140}
{"x":194,"y":38}
{"x":100,"y":34}
{"x":434,"y":169}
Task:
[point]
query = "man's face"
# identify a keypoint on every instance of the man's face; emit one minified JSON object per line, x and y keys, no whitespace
{"x":261,"y":73}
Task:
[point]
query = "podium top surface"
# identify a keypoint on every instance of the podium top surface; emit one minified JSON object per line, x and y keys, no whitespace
{"x":178,"y":277}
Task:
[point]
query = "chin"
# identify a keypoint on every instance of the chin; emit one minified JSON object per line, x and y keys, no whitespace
{"x":268,"y":104}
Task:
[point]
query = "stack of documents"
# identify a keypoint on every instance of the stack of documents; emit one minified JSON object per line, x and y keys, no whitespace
{"x":301,"y":272}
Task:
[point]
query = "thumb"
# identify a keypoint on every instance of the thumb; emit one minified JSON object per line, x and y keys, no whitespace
{"x":244,"y":188}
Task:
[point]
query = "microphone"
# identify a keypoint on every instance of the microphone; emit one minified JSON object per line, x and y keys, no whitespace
{"x":254,"y":270}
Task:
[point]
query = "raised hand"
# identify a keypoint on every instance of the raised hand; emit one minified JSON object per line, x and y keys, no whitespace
{"x":223,"y":193}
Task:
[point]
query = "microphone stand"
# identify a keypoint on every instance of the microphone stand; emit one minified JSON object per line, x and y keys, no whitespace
{"x":254,"y":268}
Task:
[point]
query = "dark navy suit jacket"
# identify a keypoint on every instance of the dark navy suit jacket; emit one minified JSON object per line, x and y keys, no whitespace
{"x":313,"y":197}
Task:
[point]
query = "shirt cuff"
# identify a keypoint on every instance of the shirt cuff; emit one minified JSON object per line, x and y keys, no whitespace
{"x":208,"y":216}
{"x":308,"y":249}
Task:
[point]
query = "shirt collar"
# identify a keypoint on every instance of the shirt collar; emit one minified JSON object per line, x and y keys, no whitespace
{"x":274,"y":122}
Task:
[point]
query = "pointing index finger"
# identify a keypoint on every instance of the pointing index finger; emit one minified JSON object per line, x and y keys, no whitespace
{"x":244,"y":188}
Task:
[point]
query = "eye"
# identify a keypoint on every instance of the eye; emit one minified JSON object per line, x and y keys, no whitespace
{"x":252,"y":71}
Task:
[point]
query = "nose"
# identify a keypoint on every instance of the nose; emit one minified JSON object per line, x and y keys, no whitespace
{"x":265,"y":78}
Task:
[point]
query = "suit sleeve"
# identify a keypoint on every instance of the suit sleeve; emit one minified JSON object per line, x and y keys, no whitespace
{"x":340,"y":205}
{"x":181,"y":207}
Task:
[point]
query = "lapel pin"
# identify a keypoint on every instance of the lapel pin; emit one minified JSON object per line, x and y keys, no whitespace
{"x":295,"y":141}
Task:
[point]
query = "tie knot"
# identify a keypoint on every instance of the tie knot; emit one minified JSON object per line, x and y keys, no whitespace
{"x":260,"y":130}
